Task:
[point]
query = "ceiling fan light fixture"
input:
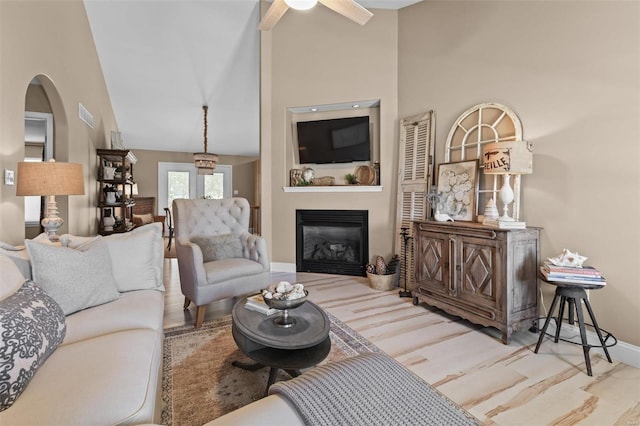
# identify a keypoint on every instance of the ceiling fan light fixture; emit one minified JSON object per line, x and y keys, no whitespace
{"x":301,"y":4}
{"x":205,"y":162}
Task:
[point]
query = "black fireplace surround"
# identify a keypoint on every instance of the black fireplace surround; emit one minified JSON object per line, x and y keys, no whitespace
{"x":332,"y":241}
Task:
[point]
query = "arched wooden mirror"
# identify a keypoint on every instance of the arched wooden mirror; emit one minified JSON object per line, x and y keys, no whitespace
{"x":479,"y":125}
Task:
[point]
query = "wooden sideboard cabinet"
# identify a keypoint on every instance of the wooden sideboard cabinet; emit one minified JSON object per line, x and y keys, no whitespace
{"x":484,"y":275}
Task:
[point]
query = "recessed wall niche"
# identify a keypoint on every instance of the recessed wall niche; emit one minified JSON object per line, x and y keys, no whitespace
{"x":345,"y":110}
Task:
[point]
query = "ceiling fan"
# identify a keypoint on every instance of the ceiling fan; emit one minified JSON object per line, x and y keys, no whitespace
{"x":347,"y":8}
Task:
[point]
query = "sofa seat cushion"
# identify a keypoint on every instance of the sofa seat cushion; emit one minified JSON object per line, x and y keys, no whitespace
{"x":134,"y":309}
{"x":112,"y":379}
{"x":227,"y":269}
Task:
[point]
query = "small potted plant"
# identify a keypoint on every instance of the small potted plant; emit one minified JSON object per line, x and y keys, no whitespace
{"x":351,"y":179}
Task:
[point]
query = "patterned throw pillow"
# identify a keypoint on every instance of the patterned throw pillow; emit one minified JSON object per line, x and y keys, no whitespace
{"x":218,"y":247}
{"x":31,"y":328}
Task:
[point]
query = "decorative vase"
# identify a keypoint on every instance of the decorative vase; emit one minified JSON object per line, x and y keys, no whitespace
{"x":111,"y":197}
{"x":490,"y":210}
{"x":108,"y":220}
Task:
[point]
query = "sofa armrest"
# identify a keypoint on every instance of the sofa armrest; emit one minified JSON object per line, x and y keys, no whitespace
{"x":255,"y":248}
{"x":160,"y":219}
{"x":273,"y":410}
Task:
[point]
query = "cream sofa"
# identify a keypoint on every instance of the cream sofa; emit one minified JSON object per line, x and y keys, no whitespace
{"x":108,"y":367}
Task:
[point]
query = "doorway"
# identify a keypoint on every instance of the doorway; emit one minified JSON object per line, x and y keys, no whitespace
{"x":180,"y":180}
{"x":38,"y":141}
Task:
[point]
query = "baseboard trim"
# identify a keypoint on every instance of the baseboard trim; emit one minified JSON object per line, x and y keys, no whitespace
{"x":623,"y":352}
{"x":283,"y":267}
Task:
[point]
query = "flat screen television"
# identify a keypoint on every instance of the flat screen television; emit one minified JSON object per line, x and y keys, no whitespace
{"x":338,"y":140}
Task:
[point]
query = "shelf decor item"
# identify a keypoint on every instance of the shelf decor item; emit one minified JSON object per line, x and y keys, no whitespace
{"x":205,"y":162}
{"x":50,"y":179}
{"x":508,"y":158}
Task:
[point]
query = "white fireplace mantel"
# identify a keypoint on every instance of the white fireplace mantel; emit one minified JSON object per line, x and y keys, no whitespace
{"x":333,"y":188}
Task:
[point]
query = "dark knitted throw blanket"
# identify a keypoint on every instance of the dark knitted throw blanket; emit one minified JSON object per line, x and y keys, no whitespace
{"x":369,"y":389}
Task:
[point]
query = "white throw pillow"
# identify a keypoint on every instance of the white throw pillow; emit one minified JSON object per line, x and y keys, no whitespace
{"x":11,"y":277}
{"x":75,"y":279}
{"x":20,"y":256}
{"x":137,"y":258}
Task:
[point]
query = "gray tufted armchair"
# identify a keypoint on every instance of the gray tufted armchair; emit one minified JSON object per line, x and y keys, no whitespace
{"x":217,"y":257}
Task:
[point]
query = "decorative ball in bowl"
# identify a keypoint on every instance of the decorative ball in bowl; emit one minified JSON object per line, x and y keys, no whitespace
{"x":283,"y":304}
{"x":284,"y":296}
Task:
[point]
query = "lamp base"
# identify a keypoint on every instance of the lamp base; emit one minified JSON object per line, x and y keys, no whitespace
{"x":52,"y":222}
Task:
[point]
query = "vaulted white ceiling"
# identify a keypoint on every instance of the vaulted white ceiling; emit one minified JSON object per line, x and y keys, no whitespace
{"x":164,"y":59}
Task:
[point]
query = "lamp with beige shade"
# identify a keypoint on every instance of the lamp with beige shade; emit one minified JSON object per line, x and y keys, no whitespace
{"x":507,"y":158}
{"x":50,"y":179}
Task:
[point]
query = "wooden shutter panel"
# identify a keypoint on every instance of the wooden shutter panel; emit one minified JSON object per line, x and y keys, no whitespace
{"x":414,"y":177}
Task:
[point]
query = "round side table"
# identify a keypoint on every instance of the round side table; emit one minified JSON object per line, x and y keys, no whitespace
{"x":574,"y":295}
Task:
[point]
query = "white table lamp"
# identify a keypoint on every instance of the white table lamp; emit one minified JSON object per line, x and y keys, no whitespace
{"x":50,"y":179}
{"x":508,"y":158}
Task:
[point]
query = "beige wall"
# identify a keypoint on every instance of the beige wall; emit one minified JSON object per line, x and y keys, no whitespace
{"x":571,"y":72}
{"x":146,"y":171}
{"x":51,"y":39}
{"x":322,"y":60}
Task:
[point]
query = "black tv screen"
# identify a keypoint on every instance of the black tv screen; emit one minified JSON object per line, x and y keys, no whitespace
{"x":339,"y":140}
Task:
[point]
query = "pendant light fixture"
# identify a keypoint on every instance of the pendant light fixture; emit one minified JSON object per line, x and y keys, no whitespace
{"x":205,"y":162}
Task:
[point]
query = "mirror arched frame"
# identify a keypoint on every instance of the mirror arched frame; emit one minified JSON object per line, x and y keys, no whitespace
{"x":479,"y":125}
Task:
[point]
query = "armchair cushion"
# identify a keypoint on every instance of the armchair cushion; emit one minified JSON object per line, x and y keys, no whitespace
{"x":218,"y":247}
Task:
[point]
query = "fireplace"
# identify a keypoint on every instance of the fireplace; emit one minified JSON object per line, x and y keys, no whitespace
{"x":332,"y":241}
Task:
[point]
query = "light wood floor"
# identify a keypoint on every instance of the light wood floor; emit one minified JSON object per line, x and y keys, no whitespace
{"x":499,"y":384}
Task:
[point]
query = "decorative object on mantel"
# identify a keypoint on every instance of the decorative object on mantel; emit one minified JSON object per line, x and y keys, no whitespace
{"x":205,"y":162}
{"x":351,"y":179}
{"x":295,"y":177}
{"x":307,"y":174}
{"x":507,"y":158}
{"x":383,"y":276}
{"x":365,"y":175}
{"x":323,"y":181}
{"x":376,"y":168}
{"x":457,"y":185}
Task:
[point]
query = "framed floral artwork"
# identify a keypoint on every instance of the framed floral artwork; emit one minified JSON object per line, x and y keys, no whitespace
{"x":457,"y":189}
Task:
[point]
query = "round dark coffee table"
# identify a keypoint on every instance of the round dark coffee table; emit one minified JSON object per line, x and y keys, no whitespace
{"x":291,"y":349}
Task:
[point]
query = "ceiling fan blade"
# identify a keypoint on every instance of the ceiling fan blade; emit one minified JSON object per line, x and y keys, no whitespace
{"x":273,"y":15}
{"x":349,"y":9}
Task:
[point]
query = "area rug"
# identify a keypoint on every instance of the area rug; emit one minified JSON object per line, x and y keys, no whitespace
{"x":199,"y":383}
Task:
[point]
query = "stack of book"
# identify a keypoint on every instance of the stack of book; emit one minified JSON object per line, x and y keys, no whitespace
{"x":256,"y":303}
{"x":565,"y":274}
{"x":503,"y":224}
